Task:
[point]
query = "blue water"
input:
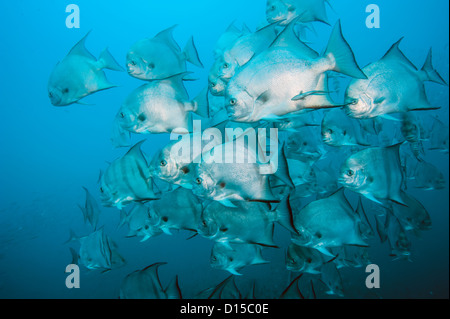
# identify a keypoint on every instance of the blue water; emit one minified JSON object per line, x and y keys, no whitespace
{"x":48,"y":153}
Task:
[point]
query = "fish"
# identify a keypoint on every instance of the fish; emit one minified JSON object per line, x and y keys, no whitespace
{"x":304,"y":259}
{"x":284,"y":11}
{"x":375,"y":173}
{"x":145,"y":284}
{"x":326,"y":223}
{"x":238,"y":54}
{"x":399,"y":242}
{"x":305,"y":145}
{"x":428,"y":177}
{"x":160,"y":107}
{"x":354,"y":256}
{"x":240,"y":175}
{"x":365,"y":226}
{"x":97,"y":252}
{"x":228,"y":38}
{"x":248,"y":222}
{"x":127,"y":179}
{"x":139,"y":222}
{"x":414,"y":216}
{"x":160,"y":57}
{"x":288,"y":78}
{"x":300,"y":172}
{"x":233,"y":257}
{"x":393,"y":85}
{"x":91,"y":211}
{"x":413,"y":132}
{"x":331,"y":277}
{"x":179,"y":209}
{"x":294,"y":124}
{"x":179,"y":169}
{"x":337,"y":130}
{"x":80,"y":74}
{"x":439,"y":137}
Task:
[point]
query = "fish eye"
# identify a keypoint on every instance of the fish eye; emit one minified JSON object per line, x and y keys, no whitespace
{"x":66,"y":90}
{"x":50,"y":94}
{"x":198,"y":180}
{"x":330,"y":131}
{"x":146,"y":227}
{"x":165,"y":219}
{"x":223,"y":229}
{"x":230,"y":258}
{"x":211,"y":84}
{"x":133,"y":63}
{"x":204,"y":223}
{"x":354,"y":102}
{"x":272,"y":8}
{"x":233,"y":101}
{"x":163,"y":163}
{"x":350,"y":172}
{"x":214,"y":258}
{"x":122,"y":115}
{"x":345,"y":132}
{"x":291,"y":9}
{"x":151,"y":65}
{"x":226,"y":65}
{"x":102,"y":190}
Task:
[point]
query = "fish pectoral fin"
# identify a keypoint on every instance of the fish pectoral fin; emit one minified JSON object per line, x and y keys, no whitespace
{"x":263,"y":98}
{"x":227,"y":203}
{"x":166,"y":231}
{"x":234,"y":271}
{"x":325,"y":251}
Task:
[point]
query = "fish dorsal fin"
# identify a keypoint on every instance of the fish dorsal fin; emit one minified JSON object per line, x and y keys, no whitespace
{"x":152,"y":271}
{"x":166,"y":36}
{"x":80,"y":48}
{"x":288,"y":38}
{"x":395,"y":53}
{"x":136,"y":150}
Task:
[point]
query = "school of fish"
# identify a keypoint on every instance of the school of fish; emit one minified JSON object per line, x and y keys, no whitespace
{"x":325,"y":153}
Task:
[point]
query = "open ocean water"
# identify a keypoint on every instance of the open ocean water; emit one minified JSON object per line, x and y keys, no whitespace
{"x":49,"y":153}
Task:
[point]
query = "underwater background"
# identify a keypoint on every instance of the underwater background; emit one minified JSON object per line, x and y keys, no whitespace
{"x":49,"y":153}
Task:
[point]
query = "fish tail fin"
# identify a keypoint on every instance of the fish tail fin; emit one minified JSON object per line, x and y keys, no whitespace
{"x":191,"y":54}
{"x":74,"y":256}
{"x":431,"y":74}
{"x":107,"y":61}
{"x":72,"y":237}
{"x":284,"y":215}
{"x":200,"y":103}
{"x":340,"y":51}
{"x":173,"y":290}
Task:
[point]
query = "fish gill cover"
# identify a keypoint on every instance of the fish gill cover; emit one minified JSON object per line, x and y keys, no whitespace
{"x":155,"y":149}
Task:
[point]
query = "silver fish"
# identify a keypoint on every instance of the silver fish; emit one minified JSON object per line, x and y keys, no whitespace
{"x":398,"y":240}
{"x":238,"y":179}
{"x":80,"y":74}
{"x":178,"y":209}
{"x":97,"y":251}
{"x":248,"y":222}
{"x":439,"y":137}
{"x":285,"y":11}
{"x":428,"y":177}
{"x":375,"y":173}
{"x":288,"y":77}
{"x":326,"y":223}
{"x":139,"y":222}
{"x":338,"y":130}
{"x":127,"y":179}
{"x":331,"y":277}
{"x":160,"y":107}
{"x":413,"y":132}
{"x":145,"y":284}
{"x":238,"y":54}
{"x":233,"y":257}
{"x":160,"y":57}
{"x":413,"y":216}
{"x":91,"y":211}
{"x":393,"y":85}
{"x":304,"y":259}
